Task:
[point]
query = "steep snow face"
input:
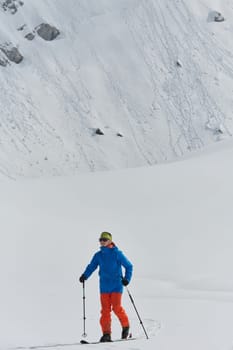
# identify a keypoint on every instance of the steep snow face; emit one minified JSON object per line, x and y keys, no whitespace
{"x":155,"y":77}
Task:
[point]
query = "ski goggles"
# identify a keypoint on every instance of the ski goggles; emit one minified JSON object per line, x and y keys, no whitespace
{"x":103,"y":239}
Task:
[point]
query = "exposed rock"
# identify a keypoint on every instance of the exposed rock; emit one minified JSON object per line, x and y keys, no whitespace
{"x":21,"y":27}
{"x":215,"y":127}
{"x":11,"y":5}
{"x":27,"y":33}
{"x":119,"y":134}
{"x":47,"y":32}
{"x":215,"y":16}
{"x":219,"y":130}
{"x":98,"y":131}
{"x":3,"y":61}
{"x":12,"y":53}
{"x":30,"y":36}
{"x":178,"y":64}
{"x":219,"y":18}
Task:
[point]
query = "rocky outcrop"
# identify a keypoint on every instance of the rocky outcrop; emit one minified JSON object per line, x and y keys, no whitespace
{"x":47,"y":32}
{"x":215,"y":16}
{"x":30,"y":36}
{"x":3,"y":60}
{"x":44,"y":30}
{"x":98,"y":131}
{"x":218,"y":17}
{"x":11,"y":5}
{"x":10,"y":53}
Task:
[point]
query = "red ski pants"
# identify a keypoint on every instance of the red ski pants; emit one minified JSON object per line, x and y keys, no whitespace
{"x":112,"y":302}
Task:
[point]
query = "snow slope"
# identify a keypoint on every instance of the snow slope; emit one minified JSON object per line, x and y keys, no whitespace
{"x":159,"y":73}
{"x":174,"y":221}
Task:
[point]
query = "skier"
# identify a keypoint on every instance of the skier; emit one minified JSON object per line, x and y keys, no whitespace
{"x":110,"y":261}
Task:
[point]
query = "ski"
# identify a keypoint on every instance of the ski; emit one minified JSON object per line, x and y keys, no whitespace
{"x":112,"y":341}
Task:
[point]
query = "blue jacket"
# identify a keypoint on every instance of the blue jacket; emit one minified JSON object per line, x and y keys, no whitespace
{"x":110,"y":262}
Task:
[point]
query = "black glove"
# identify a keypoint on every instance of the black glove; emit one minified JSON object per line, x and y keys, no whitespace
{"x":125,"y":282}
{"x":82,"y":278}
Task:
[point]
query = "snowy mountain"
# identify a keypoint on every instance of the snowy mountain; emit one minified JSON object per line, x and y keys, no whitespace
{"x":91,"y":85}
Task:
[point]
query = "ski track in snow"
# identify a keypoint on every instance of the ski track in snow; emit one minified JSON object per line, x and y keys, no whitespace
{"x":50,"y":110}
{"x":179,"y":105}
{"x":152,"y":327}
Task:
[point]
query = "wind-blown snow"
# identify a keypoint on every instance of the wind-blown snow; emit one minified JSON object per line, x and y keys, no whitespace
{"x":159,"y":73}
{"x":174,"y":221}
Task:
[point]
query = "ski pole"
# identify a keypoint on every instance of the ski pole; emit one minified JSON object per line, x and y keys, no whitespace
{"x":131,"y":298}
{"x":84,"y":312}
